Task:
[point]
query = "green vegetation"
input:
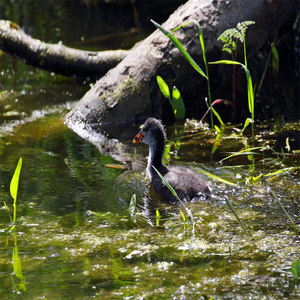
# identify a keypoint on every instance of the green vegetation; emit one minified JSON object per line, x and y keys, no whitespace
{"x":229,"y":37}
{"x":16,"y":261}
{"x":296,"y":270}
{"x":175,"y":99}
{"x":187,"y":55}
{"x":65,"y":252}
{"x":14,"y":186}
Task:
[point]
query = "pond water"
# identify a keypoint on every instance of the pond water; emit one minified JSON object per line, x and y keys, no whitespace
{"x":60,"y":250}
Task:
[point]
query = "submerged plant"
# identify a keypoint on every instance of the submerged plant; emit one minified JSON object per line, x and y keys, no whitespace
{"x":132,"y":205}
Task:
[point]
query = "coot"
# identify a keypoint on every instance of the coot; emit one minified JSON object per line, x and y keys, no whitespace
{"x":184,"y":181}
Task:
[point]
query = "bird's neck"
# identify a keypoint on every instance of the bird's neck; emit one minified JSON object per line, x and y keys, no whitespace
{"x":156,"y":151}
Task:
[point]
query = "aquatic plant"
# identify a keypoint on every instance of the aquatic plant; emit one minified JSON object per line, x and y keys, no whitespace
{"x":17,"y":266}
{"x":189,"y":212}
{"x":230,"y":38}
{"x":175,"y":99}
{"x":14,"y":186}
{"x":296,"y":270}
{"x":132,"y":205}
{"x":287,"y":214}
{"x":187,"y":55}
{"x":16,"y":261}
{"x":250,"y":91}
{"x":158,"y":217}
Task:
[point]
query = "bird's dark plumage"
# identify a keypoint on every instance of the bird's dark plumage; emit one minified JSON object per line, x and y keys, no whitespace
{"x":183,"y":180}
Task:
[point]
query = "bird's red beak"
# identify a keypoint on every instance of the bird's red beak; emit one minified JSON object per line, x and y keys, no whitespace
{"x":138,"y":138}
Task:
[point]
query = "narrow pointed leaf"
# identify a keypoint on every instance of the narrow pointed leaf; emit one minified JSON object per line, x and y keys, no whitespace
{"x":180,"y":48}
{"x":14,"y":184}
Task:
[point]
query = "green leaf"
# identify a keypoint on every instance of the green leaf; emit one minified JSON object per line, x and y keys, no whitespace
{"x":247,"y":122}
{"x":243,"y":152}
{"x":14,"y":184}
{"x":18,"y":268}
{"x":97,"y":214}
{"x":218,"y":116}
{"x":296,"y":269}
{"x":180,"y":48}
{"x":177,"y":104}
{"x":249,"y":80}
{"x":163,"y":87}
{"x":167,"y":184}
{"x":175,"y":194}
{"x":275,"y":62}
{"x":157,"y":217}
{"x":217,"y":178}
{"x":132,"y":205}
{"x":182,"y":215}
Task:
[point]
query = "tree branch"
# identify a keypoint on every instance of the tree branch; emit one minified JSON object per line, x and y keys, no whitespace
{"x":56,"y":57}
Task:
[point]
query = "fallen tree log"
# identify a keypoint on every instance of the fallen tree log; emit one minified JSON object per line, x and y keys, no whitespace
{"x":56,"y":57}
{"x":129,"y":93}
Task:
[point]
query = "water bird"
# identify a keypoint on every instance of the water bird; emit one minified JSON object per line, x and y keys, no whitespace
{"x":184,"y":181}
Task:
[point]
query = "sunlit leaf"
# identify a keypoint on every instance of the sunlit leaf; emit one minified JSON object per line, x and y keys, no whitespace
{"x":217,"y":178}
{"x":14,"y":184}
{"x":247,"y":151}
{"x":249,"y":80}
{"x":218,"y":116}
{"x":157,"y":217}
{"x":177,"y":104}
{"x":132,"y":205}
{"x":247,"y":122}
{"x":163,"y":87}
{"x":182,"y":215}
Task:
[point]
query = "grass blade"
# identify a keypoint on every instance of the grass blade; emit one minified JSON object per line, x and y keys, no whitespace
{"x":243,"y":152}
{"x":174,"y":194}
{"x":235,"y":214}
{"x":217,"y":178}
{"x":287,"y":214}
{"x":180,"y":48}
{"x":249,"y":80}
